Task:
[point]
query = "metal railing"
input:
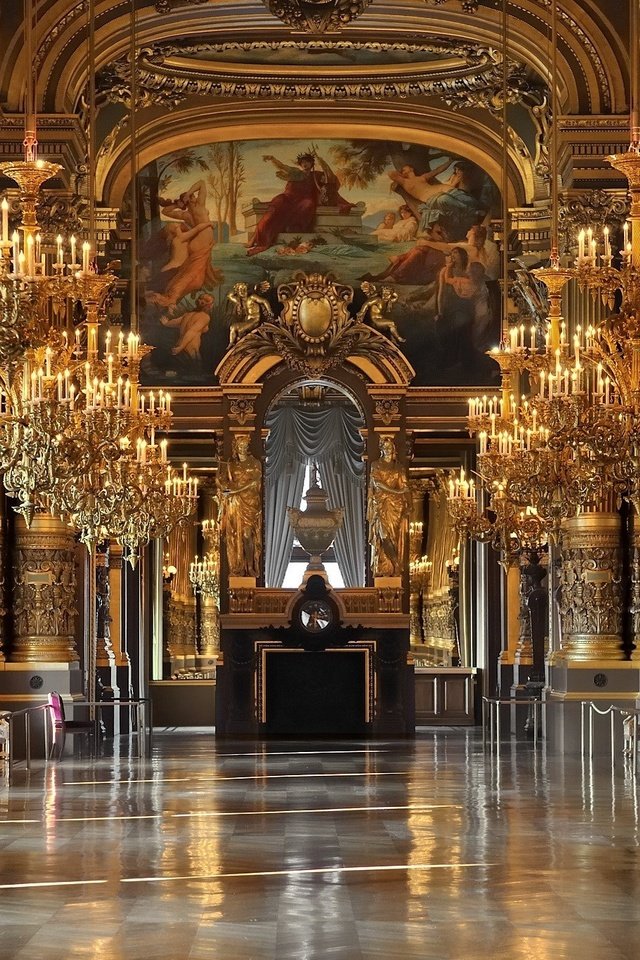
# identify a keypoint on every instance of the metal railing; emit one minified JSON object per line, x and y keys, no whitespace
{"x":22,"y":720}
{"x":142,"y":718}
{"x":629,"y":718}
{"x":17,"y":718}
{"x":589,"y":712}
{"x":492,"y":706}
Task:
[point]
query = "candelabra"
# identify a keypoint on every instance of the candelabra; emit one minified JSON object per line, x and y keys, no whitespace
{"x":560,"y":448}
{"x":508,"y":526}
{"x":204,"y":575}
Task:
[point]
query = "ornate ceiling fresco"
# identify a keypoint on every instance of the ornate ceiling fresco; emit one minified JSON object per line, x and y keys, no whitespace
{"x":432,"y":68}
{"x":591,"y":50}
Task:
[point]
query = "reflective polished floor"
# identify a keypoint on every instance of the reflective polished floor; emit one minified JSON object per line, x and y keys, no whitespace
{"x":320,"y":851}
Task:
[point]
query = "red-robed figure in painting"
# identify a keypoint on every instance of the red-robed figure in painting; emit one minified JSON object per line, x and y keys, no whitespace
{"x":294,"y":210}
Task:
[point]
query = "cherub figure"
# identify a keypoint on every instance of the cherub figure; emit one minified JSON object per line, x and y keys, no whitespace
{"x":249,"y":309}
{"x":192,"y":324}
{"x":376,"y":305}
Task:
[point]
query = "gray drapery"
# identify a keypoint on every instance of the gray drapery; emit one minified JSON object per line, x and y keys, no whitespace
{"x":331,"y":436}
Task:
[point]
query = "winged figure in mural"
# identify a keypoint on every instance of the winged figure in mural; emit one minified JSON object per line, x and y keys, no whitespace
{"x":191,"y":241}
{"x":192,"y":324}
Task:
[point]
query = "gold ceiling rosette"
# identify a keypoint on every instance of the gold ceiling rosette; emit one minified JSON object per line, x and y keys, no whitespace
{"x":317,"y":16}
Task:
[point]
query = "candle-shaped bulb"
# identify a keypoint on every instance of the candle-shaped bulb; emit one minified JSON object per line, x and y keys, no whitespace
{"x":5,"y":220}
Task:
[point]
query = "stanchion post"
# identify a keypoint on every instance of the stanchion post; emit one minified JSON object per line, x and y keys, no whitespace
{"x":150,"y":740}
{"x":142,"y":728}
{"x":484,"y":723}
{"x":10,"y":759}
{"x":45,"y":728}
{"x":27,"y":740}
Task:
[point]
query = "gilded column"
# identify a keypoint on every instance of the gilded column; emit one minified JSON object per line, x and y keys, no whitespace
{"x":115,"y":606}
{"x":170,"y":628}
{"x":44,"y":592}
{"x":104,"y":651}
{"x":591,"y":588}
{"x":3,"y":575}
{"x":209,"y":628}
{"x":512,"y":587}
{"x":179,"y":621}
{"x":524,"y":650}
{"x":415,"y":554}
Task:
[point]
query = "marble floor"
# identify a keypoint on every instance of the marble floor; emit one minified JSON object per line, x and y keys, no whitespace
{"x":320,"y":851}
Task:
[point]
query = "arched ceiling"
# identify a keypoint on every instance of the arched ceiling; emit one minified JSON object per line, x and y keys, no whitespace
{"x":420,"y":68}
{"x":592,"y":54}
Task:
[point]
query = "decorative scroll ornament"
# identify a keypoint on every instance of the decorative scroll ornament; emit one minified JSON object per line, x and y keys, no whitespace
{"x":469,"y":6}
{"x":317,"y":16}
{"x":461,"y":72}
{"x":387,"y":410}
{"x":241,"y":409}
{"x":315,"y":330}
{"x":596,"y":209}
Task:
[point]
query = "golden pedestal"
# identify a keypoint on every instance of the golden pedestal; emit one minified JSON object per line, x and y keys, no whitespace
{"x":590,"y":595}
{"x":44,"y":607}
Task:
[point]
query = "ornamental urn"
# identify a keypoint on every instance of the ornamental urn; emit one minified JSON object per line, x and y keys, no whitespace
{"x":316,"y":526}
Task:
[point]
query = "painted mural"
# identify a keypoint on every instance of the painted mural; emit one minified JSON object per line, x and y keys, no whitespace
{"x":399,"y":215}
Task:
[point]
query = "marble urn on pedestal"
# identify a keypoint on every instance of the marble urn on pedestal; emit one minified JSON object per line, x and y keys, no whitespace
{"x":316,"y":526}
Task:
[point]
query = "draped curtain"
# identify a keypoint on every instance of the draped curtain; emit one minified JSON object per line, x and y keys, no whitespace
{"x":331,"y":437}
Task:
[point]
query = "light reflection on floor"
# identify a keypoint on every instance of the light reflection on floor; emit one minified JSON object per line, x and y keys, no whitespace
{"x":424,"y":849}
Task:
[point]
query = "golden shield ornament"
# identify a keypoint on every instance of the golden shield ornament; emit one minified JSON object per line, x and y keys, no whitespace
{"x":314,"y":316}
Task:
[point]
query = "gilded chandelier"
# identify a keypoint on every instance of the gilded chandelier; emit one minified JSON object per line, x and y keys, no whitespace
{"x":77,"y":434}
{"x":576,"y":436}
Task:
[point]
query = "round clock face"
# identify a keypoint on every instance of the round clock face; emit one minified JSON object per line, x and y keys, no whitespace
{"x":315,"y":616}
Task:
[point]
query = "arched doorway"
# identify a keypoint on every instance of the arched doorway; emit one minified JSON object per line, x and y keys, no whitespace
{"x":314,"y":422}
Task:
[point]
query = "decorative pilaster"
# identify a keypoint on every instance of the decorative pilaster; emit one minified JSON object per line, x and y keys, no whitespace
{"x":524,"y":652}
{"x":590,"y":588}
{"x":170,"y":625}
{"x":512,"y":600}
{"x":44,"y":592}
{"x":209,"y":627}
{"x":115,"y":605}
{"x":104,"y":655}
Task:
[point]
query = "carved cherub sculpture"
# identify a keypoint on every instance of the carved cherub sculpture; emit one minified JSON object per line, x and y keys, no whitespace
{"x":377,"y":304}
{"x":249,"y":310}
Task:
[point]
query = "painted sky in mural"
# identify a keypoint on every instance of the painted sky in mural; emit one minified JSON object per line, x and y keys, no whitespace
{"x":394,"y":214}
